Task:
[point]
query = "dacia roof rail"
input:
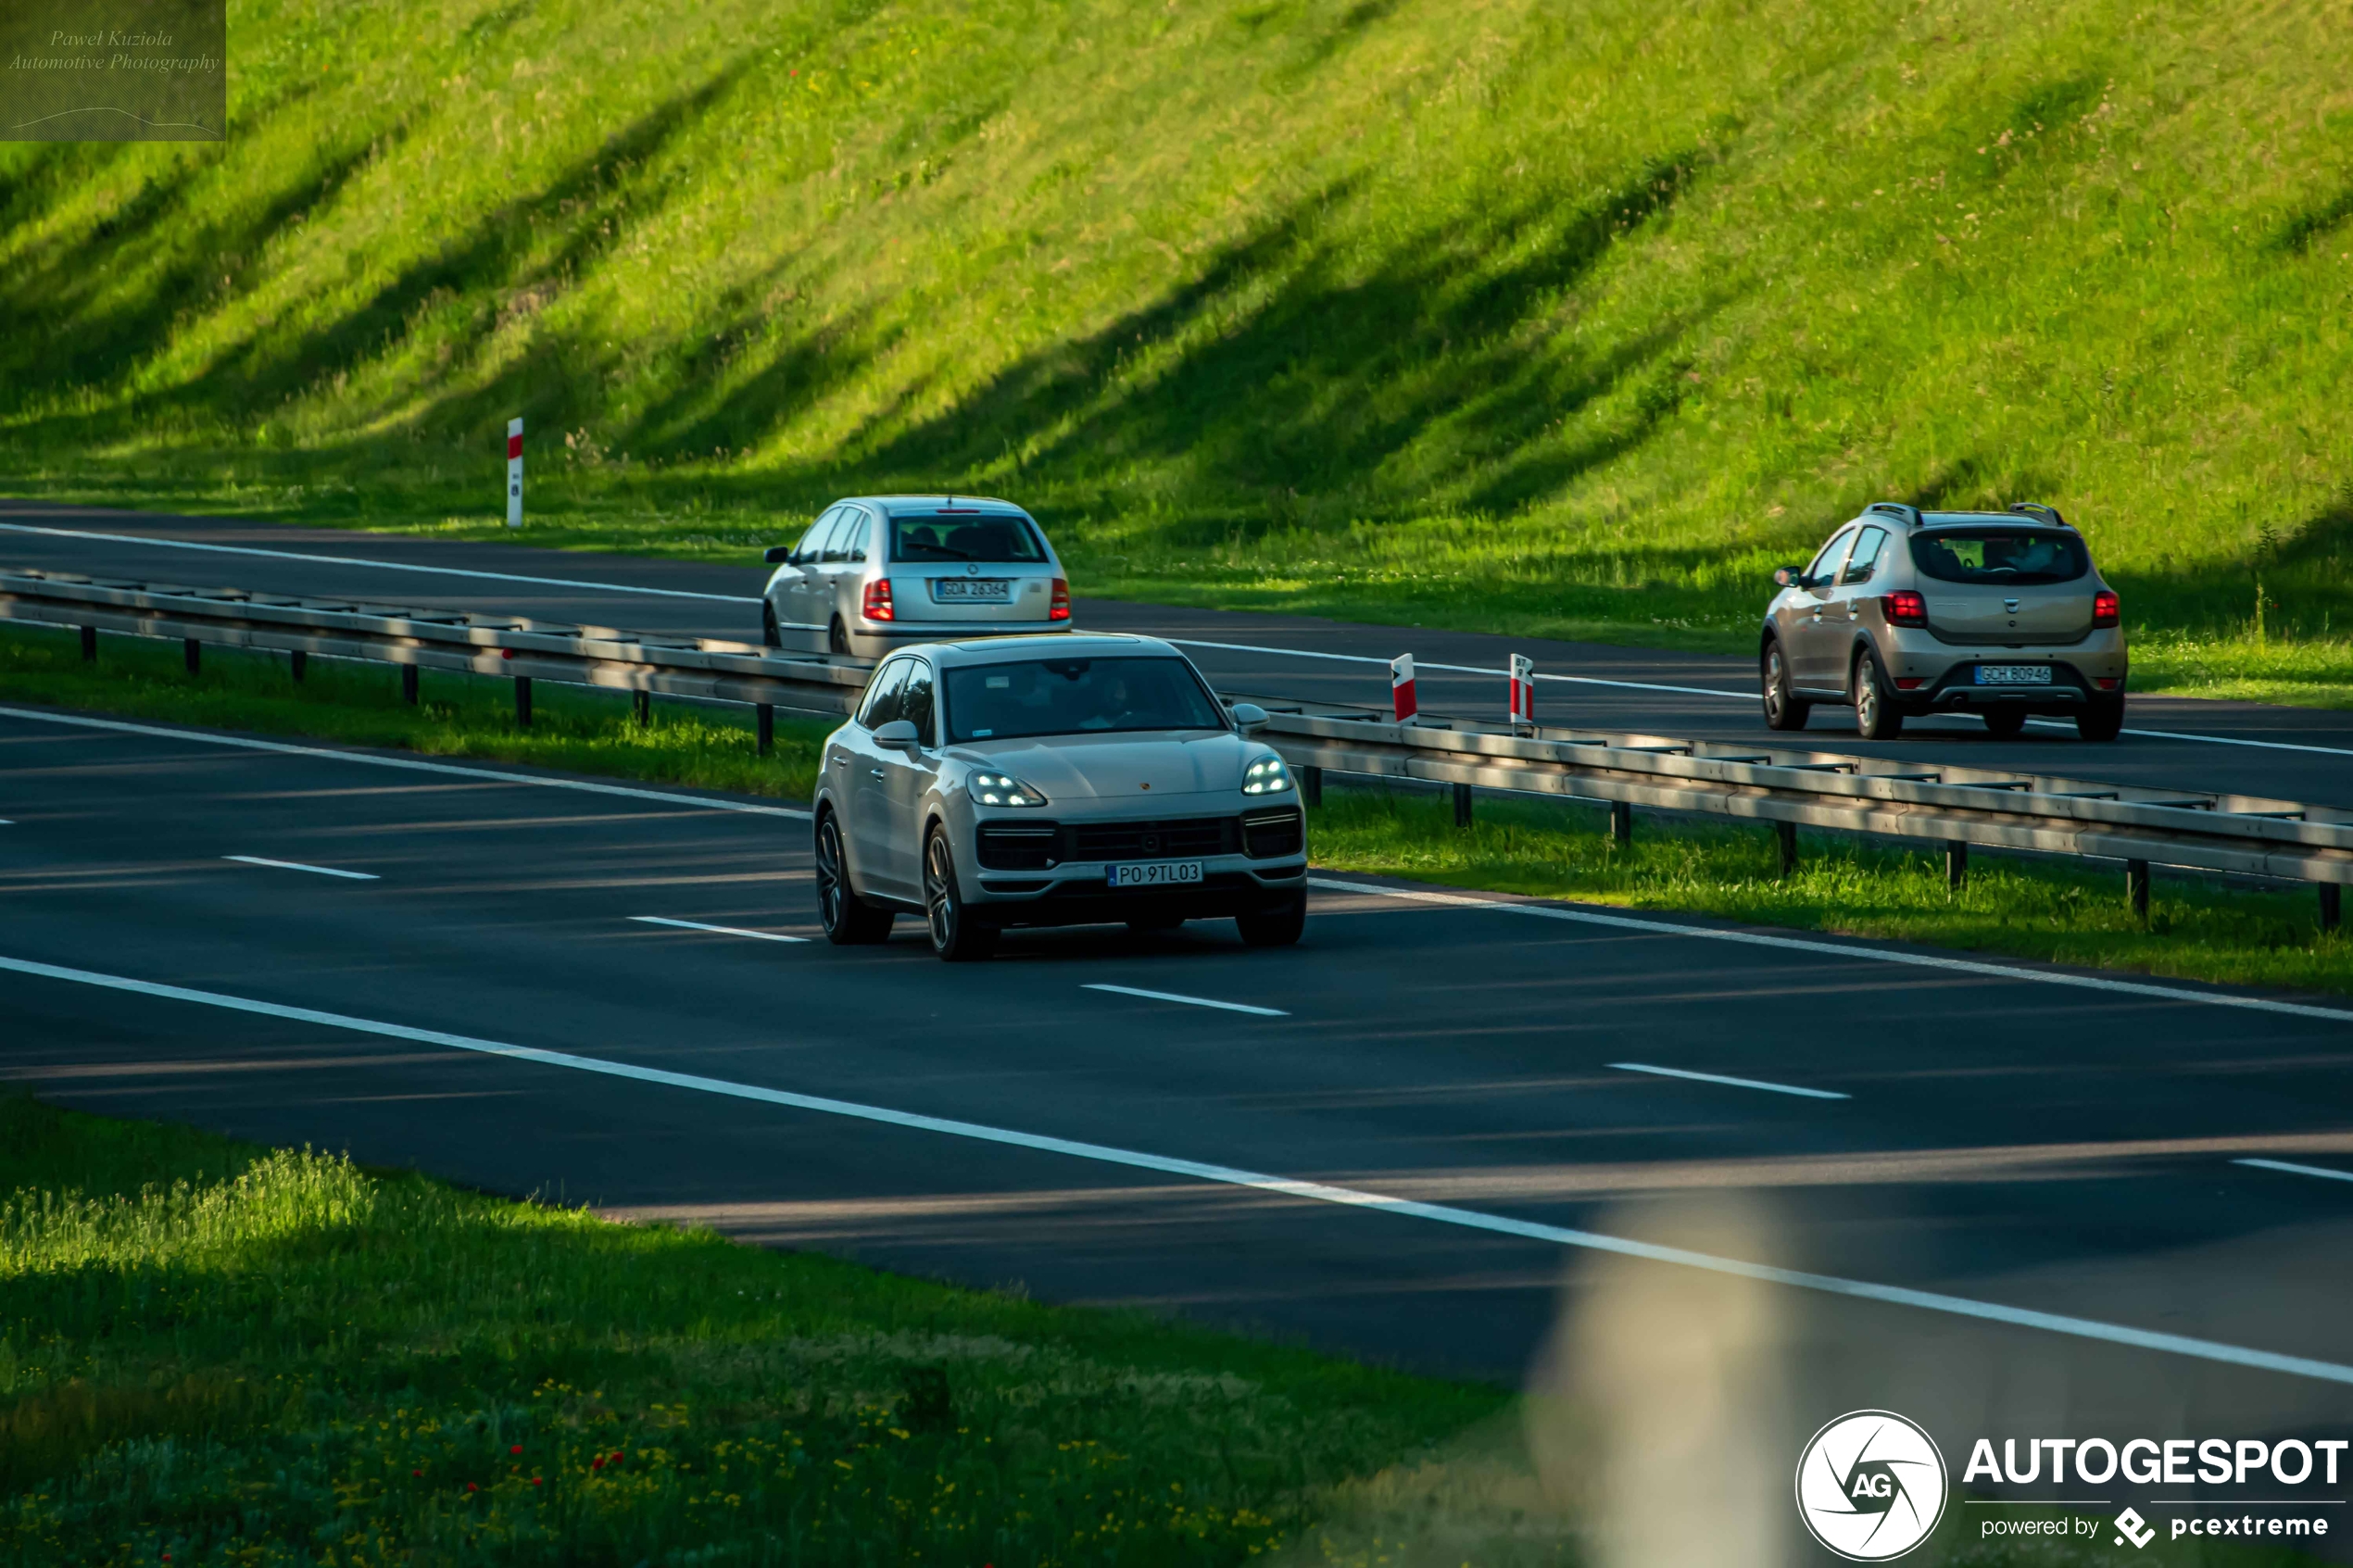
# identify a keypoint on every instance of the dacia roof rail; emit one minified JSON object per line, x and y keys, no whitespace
{"x":2041,"y":513}
{"x":1908,"y":515}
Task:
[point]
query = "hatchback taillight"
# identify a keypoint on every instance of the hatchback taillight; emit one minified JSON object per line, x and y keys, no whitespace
{"x":877,"y":605}
{"x":1904,"y":607}
{"x":1058,"y":608}
{"x":2107,"y":608}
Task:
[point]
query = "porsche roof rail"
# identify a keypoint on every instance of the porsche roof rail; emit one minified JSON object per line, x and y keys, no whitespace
{"x":2042,"y":514}
{"x":1908,"y":515}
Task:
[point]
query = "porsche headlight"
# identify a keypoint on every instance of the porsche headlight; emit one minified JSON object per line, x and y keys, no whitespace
{"x":1004,"y":789}
{"x":1265,"y":776}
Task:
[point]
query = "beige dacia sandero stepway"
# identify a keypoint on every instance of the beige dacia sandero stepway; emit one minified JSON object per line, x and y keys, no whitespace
{"x":1999,"y":614}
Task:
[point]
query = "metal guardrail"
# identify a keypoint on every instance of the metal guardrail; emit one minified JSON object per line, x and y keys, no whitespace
{"x":1953,"y":806}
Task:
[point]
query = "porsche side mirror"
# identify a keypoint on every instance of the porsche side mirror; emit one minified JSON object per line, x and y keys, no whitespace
{"x":1249,"y":718}
{"x":777,"y":555}
{"x":897,"y":736}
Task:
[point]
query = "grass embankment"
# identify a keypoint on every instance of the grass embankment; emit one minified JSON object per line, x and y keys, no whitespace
{"x":212,"y":1353}
{"x":2061,"y":912}
{"x":1578,"y":320}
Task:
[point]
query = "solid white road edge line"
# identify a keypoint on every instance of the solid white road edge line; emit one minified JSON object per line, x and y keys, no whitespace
{"x":1840,"y":950}
{"x":379,"y":565}
{"x":1189,"y":1001}
{"x":1319,"y":1192}
{"x":2296,"y":1169}
{"x":298,"y":866}
{"x":1735,"y":1083}
{"x":409,"y":764}
{"x":721,"y":930}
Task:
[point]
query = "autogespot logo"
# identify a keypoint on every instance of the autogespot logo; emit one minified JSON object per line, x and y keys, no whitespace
{"x":1871,"y":1486}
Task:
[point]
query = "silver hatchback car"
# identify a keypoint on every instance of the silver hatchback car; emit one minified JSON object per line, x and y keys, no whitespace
{"x":1053,"y":781}
{"x":1999,"y":614}
{"x":879,"y":573}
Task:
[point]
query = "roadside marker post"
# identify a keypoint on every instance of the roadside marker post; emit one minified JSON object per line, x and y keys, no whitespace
{"x":514,"y":473}
{"x":1400,"y":686}
{"x":1523,"y":677}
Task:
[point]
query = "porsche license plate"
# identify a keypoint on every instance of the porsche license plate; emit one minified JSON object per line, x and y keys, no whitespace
{"x":1155,"y":874}
{"x":970,"y":590}
{"x":2013,"y":675}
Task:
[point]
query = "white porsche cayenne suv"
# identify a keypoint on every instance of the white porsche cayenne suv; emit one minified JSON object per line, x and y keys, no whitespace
{"x":1053,"y":781}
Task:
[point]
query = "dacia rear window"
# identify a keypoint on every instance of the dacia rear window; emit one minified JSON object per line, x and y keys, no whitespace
{"x":2001,"y":556}
{"x":918,"y":537}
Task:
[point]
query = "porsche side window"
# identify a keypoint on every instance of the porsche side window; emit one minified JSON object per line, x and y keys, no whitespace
{"x":915,"y":703}
{"x":882,"y":704}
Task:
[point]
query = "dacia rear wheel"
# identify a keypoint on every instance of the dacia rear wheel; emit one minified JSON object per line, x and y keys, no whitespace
{"x":2102,"y":720}
{"x":2005,"y":722}
{"x":955,"y":935}
{"x":1876,"y":715}
{"x":1277,"y":925}
{"x":849,"y":920}
{"x":1783,"y":710}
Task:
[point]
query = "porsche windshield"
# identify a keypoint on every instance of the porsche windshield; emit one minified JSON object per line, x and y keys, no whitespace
{"x":1076,"y":697}
{"x":2016,"y":556}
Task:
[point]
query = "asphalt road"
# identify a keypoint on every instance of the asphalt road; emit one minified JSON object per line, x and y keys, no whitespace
{"x":2174,"y":743}
{"x":2030,"y":1146}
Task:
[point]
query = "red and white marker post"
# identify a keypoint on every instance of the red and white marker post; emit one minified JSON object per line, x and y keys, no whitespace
{"x":1523,"y":676}
{"x":1400,"y":686}
{"x":514,"y":473}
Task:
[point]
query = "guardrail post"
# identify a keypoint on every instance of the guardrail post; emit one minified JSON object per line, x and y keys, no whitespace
{"x":2332,"y":905}
{"x":1786,"y":834}
{"x":1311,"y":787}
{"x":522,"y":702}
{"x":409,"y":685}
{"x":763,"y":719}
{"x":191,"y":653}
{"x":1462,"y":804}
{"x":298,"y":665}
{"x":89,"y":645}
{"x":1956,"y":865}
{"x":2136,"y":888}
{"x":1621,"y":822}
{"x":643,"y":701}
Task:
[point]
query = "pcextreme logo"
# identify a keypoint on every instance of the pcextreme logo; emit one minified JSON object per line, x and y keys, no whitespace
{"x":1871,"y":1486}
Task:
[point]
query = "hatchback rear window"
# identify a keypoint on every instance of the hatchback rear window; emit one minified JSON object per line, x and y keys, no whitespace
{"x":2017,"y":557}
{"x":1077,"y":696}
{"x":916,"y":537}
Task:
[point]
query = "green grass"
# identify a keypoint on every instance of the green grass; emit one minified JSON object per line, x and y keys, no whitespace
{"x":2055,"y":910}
{"x":240,"y":1356}
{"x":1477,"y":313}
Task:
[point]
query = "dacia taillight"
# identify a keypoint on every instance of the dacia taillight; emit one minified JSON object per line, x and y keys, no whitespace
{"x":1058,"y":608}
{"x":1904,"y":607}
{"x":877,"y":605}
{"x":2107,"y":608}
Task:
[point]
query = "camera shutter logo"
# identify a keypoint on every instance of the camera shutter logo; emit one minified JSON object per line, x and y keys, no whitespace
{"x":1871,"y":1486}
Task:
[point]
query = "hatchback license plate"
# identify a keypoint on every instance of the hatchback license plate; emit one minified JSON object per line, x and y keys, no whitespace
{"x":2013,"y":675}
{"x":1154,"y":874}
{"x":970,"y":590}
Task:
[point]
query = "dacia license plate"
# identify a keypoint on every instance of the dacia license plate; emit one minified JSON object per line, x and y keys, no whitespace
{"x":971,"y":590}
{"x":2013,"y":675}
{"x":1154,"y":874}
